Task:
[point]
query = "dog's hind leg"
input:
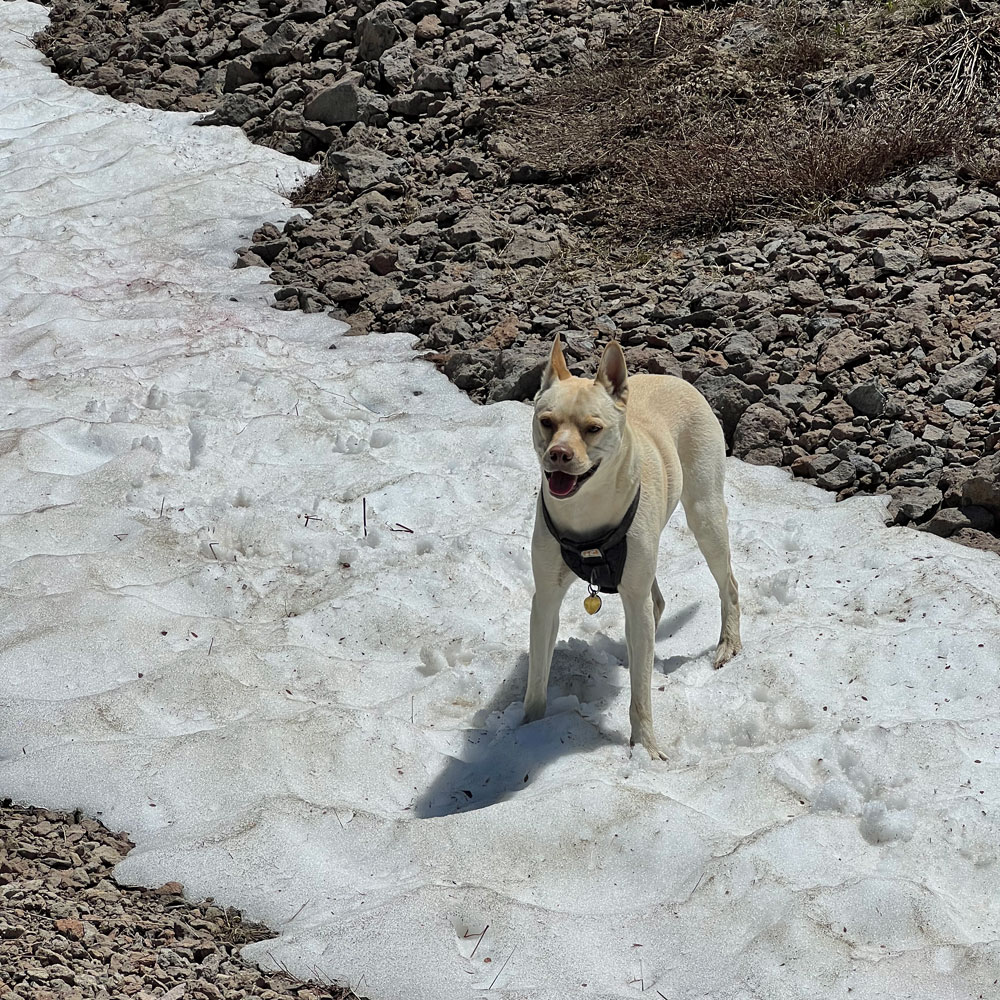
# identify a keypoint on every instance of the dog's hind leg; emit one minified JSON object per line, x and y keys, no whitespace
{"x":707,"y":518}
{"x":658,"y":603}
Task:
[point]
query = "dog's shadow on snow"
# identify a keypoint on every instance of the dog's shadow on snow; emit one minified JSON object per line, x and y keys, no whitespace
{"x":502,"y":759}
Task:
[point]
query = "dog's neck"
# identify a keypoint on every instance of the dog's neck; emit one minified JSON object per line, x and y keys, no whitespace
{"x":604,"y":500}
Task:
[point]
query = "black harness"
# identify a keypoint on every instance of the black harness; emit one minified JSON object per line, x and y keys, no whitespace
{"x":599,"y":561}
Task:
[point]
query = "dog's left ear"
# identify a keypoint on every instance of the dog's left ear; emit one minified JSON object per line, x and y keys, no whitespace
{"x":611,"y":372}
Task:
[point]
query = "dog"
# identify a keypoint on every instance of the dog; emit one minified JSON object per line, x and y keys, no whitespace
{"x":617,"y":454}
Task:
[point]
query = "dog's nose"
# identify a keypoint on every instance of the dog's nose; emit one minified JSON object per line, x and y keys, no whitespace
{"x":560,"y":453}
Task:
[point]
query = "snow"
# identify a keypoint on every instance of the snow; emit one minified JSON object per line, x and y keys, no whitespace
{"x":199,"y":643}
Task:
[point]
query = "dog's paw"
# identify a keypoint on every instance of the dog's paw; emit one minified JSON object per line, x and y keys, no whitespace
{"x":533,"y":711}
{"x":655,"y":753}
{"x":727,"y":649}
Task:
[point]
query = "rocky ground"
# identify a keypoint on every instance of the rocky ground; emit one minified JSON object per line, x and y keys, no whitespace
{"x":69,"y":931}
{"x":859,"y":349}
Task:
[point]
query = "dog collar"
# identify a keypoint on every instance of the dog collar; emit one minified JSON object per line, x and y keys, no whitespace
{"x":600,"y":561}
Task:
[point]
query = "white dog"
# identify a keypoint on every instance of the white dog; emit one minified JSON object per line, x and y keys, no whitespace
{"x":617,"y":454}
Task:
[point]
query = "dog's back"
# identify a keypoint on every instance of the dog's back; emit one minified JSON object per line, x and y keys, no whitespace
{"x":677,"y":419}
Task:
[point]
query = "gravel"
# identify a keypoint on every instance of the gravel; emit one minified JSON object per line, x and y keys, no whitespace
{"x":70,"y":931}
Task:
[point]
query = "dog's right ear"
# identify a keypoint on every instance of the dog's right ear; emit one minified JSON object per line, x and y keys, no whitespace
{"x":556,"y":368}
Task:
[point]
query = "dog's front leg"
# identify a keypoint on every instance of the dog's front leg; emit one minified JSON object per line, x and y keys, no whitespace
{"x":640,"y":628}
{"x":545,"y":607}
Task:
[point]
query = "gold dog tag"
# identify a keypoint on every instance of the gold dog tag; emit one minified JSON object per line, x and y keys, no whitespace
{"x":592,"y":602}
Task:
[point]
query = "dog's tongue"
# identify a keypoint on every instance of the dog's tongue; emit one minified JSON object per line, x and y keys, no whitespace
{"x":561,"y":484}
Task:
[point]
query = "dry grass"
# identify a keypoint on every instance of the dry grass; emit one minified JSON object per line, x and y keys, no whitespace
{"x":693,"y":122}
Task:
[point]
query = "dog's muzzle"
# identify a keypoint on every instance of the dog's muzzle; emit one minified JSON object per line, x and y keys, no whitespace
{"x":563,"y":484}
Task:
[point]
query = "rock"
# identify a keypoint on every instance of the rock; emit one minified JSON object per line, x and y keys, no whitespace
{"x":742,"y":346}
{"x":837,"y":477}
{"x":377,"y":30}
{"x":182,"y":77}
{"x":948,"y":520}
{"x":503,"y":335}
{"x":306,"y":10}
{"x":807,"y":292}
{"x":913,"y":503}
{"x":844,"y":350}
{"x":970,"y":204}
{"x":519,"y":374}
{"x":475,"y":227}
{"x":958,"y":407}
{"x":531,"y":248}
{"x":345,"y":102}
{"x":396,"y":64}
{"x":238,"y":74}
{"x":811,"y":466}
{"x":946,"y":254}
{"x":71,"y":928}
{"x":867,"y":399}
{"x":416,"y":103}
{"x":983,"y":487}
{"x":873,"y":225}
{"x":977,"y":540}
{"x":363,"y":168}
{"x":729,"y":397}
{"x":759,"y":431}
{"x":429,"y":27}
{"x":964,"y":377}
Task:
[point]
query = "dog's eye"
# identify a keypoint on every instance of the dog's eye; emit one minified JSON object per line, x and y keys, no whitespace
{"x":594,"y":429}
{"x":546,"y":423}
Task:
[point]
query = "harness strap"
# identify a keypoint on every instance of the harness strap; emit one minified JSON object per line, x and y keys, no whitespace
{"x":600,"y":561}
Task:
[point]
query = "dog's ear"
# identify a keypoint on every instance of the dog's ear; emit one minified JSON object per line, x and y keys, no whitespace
{"x":611,"y":372}
{"x":556,"y":368}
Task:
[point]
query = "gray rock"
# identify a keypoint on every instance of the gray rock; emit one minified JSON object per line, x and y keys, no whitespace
{"x":867,"y":399}
{"x":807,"y":292}
{"x":837,"y":477}
{"x":729,"y":397}
{"x":531,"y":248}
{"x":346,"y":102}
{"x":970,"y":204}
{"x":416,"y":103}
{"x":742,"y":346}
{"x":396,"y":64}
{"x":363,"y":168}
{"x":948,"y":520}
{"x":922,"y":471}
{"x":913,"y":503}
{"x":306,"y":10}
{"x":377,"y":30}
{"x":476,"y":226}
{"x":948,"y":254}
{"x":983,"y":487}
{"x":964,"y":377}
{"x":238,"y":73}
{"x":958,"y":407}
{"x":873,"y":225}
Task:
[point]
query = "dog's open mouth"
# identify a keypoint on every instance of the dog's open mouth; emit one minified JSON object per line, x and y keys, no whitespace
{"x":563,"y":485}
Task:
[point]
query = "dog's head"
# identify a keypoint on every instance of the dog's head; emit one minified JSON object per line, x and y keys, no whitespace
{"x":579,"y":422}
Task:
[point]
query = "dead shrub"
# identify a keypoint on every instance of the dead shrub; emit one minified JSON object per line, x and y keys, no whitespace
{"x":696,"y":122}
